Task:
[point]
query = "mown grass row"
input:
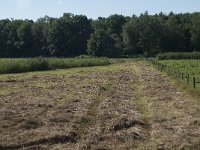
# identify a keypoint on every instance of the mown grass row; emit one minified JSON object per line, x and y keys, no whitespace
{"x":18,"y":65}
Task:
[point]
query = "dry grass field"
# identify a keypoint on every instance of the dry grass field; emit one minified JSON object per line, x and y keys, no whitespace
{"x":128,"y":105}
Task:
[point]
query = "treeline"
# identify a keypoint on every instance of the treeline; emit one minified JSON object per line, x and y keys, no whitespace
{"x":115,"y":36}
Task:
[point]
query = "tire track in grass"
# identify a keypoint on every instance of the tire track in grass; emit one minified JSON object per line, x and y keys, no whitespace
{"x":118,"y":123}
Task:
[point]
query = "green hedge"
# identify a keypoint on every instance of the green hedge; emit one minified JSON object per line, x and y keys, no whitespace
{"x":181,"y":55}
{"x":18,"y":65}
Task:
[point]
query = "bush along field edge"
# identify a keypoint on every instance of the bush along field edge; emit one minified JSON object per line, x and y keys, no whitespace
{"x":19,"y":65}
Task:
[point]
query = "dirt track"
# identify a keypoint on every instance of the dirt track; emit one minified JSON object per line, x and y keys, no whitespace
{"x":123,"y":106}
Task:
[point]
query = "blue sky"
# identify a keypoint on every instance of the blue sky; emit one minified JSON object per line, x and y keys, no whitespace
{"x":33,"y":9}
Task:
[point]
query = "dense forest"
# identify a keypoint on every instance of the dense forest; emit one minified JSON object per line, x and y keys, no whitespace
{"x":114,"y":36}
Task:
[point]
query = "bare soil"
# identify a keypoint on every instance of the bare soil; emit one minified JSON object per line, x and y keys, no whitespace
{"x":123,"y":106}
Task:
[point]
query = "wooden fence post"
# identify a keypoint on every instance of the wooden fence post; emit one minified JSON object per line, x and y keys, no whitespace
{"x":188,"y":79}
{"x":182,"y":76}
{"x":194,"y":82}
{"x":179,"y":74}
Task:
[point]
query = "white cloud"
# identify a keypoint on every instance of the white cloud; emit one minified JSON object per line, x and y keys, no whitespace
{"x":60,"y":2}
{"x":23,"y":4}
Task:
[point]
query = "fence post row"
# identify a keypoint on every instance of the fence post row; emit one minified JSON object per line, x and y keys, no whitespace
{"x":174,"y":72}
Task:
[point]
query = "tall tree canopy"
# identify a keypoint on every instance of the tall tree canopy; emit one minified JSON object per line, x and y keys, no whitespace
{"x":68,"y":35}
{"x":114,"y":36}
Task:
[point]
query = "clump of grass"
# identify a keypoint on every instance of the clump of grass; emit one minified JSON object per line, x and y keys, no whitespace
{"x":142,"y":103}
{"x":37,"y":64}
